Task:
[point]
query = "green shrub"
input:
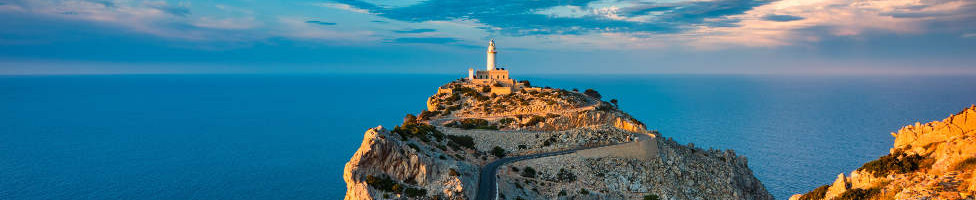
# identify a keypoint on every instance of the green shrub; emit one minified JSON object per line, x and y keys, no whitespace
{"x":565,"y":176}
{"x":584,"y":191}
{"x":419,"y":130}
{"x":382,"y":183}
{"x":424,"y":115}
{"x":515,"y":169}
{"x":415,"y":192}
{"x":528,"y":172}
{"x":409,"y":119}
{"x":562,"y":193}
{"x":816,"y":194}
{"x":592,"y":93}
{"x":498,"y":152}
{"x":461,"y":140}
{"x":485,"y":89}
{"x":453,"y":172}
{"x":507,"y":120}
{"x":858,"y":194}
{"x":465,"y":91}
{"x":526,"y":83}
{"x":472,"y":123}
{"x":897,"y":162}
{"x":651,"y":197}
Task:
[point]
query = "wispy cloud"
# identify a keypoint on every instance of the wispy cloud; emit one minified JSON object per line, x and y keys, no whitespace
{"x":320,"y":22}
{"x":519,"y":18}
{"x":420,"y":30}
{"x":782,"y":18}
{"x":835,"y":18}
{"x":426,"y":40}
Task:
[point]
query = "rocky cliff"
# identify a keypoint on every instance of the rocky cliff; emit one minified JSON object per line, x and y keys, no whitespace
{"x":936,"y":160}
{"x":440,"y":153}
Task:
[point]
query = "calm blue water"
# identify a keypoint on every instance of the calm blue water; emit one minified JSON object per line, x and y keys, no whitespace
{"x":288,"y":136}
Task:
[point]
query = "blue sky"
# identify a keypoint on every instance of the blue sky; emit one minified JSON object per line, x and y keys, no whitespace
{"x":441,"y":36}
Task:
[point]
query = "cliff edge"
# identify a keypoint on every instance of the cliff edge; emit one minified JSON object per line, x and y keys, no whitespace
{"x":936,"y":160}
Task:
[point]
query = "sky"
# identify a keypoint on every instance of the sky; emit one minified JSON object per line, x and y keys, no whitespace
{"x":532,"y":37}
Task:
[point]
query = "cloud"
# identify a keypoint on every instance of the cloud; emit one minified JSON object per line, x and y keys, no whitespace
{"x":823,"y":19}
{"x":320,"y":22}
{"x":421,"y":30}
{"x":425,"y":40}
{"x":521,"y":18}
{"x":177,"y":10}
{"x":345,"y":7}
{"x":301,"y":29}
{"x":782,"y":18}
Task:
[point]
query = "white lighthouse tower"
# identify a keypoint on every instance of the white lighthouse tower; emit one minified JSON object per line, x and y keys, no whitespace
{"x":491,"y":55}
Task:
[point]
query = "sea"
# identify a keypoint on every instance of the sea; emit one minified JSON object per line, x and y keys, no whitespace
{"x":288,"y":136}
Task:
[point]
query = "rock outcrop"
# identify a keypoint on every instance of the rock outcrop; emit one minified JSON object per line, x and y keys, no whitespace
{"x":936,"y":160}
{"x":439,"y":154}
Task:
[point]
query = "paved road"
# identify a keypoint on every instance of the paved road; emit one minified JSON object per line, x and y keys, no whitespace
{"x":487,"y":187}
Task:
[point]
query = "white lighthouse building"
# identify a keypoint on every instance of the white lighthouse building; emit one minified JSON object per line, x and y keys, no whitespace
{"x":492,"y":72}
{"x":493,"y":76}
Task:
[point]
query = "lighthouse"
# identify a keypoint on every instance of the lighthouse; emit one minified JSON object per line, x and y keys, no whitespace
{"x":491,"y":56}
{"x":494,"y":77}
{"x":492,"y":73}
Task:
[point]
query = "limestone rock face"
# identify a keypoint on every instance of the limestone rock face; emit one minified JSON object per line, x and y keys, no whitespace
{"x":383,"y":154}
{"x":839,"y":187}
{"x":939,"y":156}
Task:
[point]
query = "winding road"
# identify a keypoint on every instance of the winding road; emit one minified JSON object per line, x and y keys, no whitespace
{"x":487,"y":186}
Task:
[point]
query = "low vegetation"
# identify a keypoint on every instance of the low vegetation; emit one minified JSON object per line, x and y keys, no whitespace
{"x":592,"y":93}
{"x":498,"y":152}
{"x":473,"y":123}
{"x":897,"y":162}
{"x":565,"y":176}
{"x":651,"y":197}
{"x":412,"y":129}
{"x":528,"y":172}
{"x":584,"y":191}
{"x":816,"y":194}
{"x":858,"y":194}
{"x":460,"y":141}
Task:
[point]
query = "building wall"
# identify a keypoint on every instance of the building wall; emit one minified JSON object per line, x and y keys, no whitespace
{"x":501,"y":90}
{"x":498,"y":74}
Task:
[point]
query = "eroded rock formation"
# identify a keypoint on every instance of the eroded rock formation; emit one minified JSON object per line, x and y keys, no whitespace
{"x":936,"y":160}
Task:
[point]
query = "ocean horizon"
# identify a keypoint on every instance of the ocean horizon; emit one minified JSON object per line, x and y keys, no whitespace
{"x":288,"y":136}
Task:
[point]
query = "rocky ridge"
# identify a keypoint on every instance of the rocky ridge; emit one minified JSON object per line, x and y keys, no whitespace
{"x":935,"y":160}
{"x":439,"y":153}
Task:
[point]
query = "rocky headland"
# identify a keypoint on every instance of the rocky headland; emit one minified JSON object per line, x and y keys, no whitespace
{"x":443,"y":152}
{"x":936,"y":160}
